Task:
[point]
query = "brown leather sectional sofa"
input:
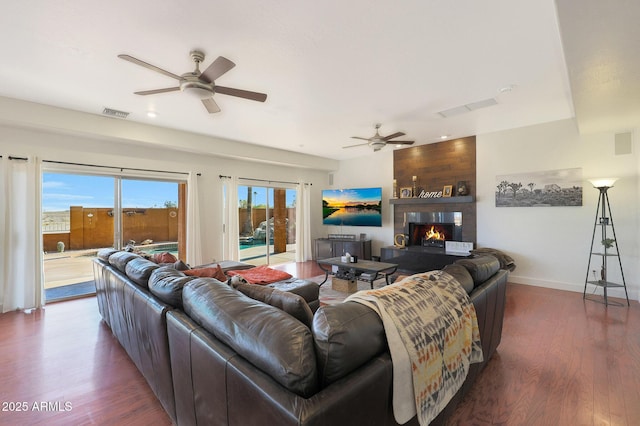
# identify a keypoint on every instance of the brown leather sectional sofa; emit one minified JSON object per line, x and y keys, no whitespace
{"x":215,"y":356}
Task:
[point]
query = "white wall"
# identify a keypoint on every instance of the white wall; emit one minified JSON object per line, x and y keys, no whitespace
{"x":373,"y":170}
{"x":52,"y":146}
{"x":551,"y":244}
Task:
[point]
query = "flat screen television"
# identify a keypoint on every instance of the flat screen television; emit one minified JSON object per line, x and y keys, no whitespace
{"x":352,"y":207}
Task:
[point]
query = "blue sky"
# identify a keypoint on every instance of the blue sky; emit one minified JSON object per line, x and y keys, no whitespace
{"x":59,"y":191}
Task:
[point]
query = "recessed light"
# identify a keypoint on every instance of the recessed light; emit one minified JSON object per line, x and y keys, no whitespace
{"x":152,"y":114}
{"x":507,"y":89}
{"x":443,"y":137}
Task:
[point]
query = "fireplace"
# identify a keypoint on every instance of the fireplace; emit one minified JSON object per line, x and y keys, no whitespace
{"x":432,"y":229}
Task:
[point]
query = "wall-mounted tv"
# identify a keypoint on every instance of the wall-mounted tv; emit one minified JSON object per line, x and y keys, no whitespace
{"x":352,"y":207}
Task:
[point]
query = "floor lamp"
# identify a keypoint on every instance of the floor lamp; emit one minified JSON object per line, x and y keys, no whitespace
{"x":604,"y":220}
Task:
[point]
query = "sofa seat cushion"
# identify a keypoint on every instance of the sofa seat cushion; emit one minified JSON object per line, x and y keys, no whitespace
{"x":272,"y":340}
{"x":227,"y":265}
{"x":292,"y":304}
{"x":139,"y":270}
{"x":481,"y":268}
{"x":346,"y":336}
{"x":462,"y":275}
{"x":166,"y":284}
{"x":120,"y":259}
{"x":309,"y":290}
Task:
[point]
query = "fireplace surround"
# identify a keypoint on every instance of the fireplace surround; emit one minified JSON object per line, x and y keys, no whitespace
{"x":432,"y":229}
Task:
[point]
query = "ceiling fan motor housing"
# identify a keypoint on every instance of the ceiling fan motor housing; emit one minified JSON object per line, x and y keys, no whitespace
{"x":377,"y":144}
{"x":192,"y":85}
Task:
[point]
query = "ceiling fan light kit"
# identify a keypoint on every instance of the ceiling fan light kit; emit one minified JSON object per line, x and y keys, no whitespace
{"x":200,"y":85}
{"x":378,"y":142}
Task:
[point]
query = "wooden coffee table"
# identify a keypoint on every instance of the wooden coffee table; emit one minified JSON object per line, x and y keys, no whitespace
{"x":355,"y":270}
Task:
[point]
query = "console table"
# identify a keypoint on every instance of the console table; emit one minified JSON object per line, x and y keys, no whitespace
{"x":331,"y":247}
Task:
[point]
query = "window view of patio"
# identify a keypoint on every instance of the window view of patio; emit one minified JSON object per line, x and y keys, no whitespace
{"x":267,"y":225}
{"x":78,"y":219}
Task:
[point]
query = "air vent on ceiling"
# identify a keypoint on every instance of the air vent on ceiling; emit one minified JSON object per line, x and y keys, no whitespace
{"x":468,"y":107}
{"x":115,"y":113}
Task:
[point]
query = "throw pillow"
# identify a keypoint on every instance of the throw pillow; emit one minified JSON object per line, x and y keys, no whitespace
{"x":165,"y":257}
{"x":215,"y":272}
{"x":292,"y":304}
{"x":180,"y":266}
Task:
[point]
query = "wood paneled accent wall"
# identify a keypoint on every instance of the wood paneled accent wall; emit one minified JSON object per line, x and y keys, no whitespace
{"x":436,"y":165}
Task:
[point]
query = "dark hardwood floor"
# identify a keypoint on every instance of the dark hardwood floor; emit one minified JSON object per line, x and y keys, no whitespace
{"x":562,"y":361}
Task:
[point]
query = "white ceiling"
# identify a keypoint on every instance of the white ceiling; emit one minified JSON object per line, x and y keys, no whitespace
{"x":331,"y":69}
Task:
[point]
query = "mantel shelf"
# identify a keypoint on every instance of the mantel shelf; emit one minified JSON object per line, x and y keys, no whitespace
{"x":441,"y":200}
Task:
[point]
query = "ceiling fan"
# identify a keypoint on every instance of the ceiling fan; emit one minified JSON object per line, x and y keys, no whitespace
{"x":378,"y":142}
{"x":199,"y":84}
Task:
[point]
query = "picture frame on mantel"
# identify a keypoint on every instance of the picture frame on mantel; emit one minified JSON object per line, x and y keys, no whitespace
{"x":446,"y":191}
{"x":406,"y":192}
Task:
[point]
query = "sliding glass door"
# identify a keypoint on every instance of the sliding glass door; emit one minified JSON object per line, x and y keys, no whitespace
{"x":82,"y":213}
{"x":75,"y":224}
{"x":150,"y":215}
{"x":266,"y":224}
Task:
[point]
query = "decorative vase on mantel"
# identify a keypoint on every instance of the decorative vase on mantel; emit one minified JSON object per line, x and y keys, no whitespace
{"x":462,"y":188}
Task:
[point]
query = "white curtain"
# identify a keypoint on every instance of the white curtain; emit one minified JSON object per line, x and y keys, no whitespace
{"x":21,"y":268}
{"x":231,"y":227}
{"x":303,"y":223}
{"x":194,"y":236}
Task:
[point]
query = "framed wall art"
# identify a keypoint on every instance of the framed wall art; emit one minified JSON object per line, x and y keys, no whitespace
{"x":551,"y":188}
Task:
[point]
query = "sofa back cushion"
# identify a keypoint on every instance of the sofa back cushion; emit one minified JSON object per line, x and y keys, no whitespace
{"x":105,"y":253}
{"x":346,"y":336}
{"x":462,"y":275}
{"x":139,"y":270}
{"x":481,"y":268}
{"x":269,"y":338}
{"x":166,"y":284}
{"x":120,"y":259}
{"x":292,"y":304}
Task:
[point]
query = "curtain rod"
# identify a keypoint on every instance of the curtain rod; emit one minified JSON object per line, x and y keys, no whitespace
{"x":114,"y":167}
{"x":265,"y":180}
{"x":11,"y":157}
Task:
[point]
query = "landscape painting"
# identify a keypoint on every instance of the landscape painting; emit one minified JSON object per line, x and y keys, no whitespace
{"x":352,"y":207}
{"x":550,"y":188}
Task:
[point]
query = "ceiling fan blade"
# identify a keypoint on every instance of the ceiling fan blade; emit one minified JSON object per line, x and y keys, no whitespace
{"x":218,"y":67}
{"x":401,"y":142}
{"x":149,"y":66}
{"x":153,"y":92}
{"x":395,"y":135}
{"x":358,"y":137}
{"x":254,"y":96}
{"x":210,"y":105}
{"x":353,"y":146}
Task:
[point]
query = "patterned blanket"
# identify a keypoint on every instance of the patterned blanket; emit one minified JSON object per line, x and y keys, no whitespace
{"x":433,"y":337}
{"x":261,"y":275}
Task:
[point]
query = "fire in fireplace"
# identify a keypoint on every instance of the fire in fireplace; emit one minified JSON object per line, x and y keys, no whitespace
{"x":433,"y":229}
{"x":435,"y":236}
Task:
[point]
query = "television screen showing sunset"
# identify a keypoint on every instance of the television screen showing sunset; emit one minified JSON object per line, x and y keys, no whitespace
{"x":352,"y":207}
